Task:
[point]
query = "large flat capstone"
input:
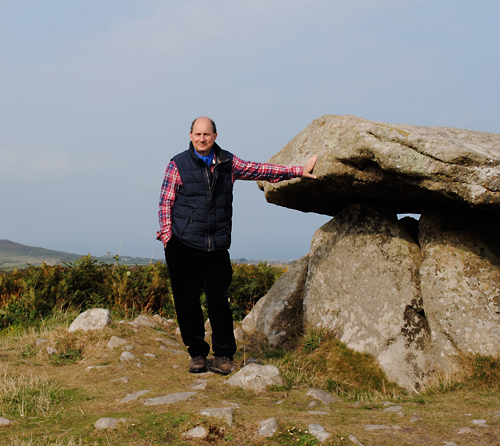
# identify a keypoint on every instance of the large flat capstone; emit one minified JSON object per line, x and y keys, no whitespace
{"x":410,"y":167}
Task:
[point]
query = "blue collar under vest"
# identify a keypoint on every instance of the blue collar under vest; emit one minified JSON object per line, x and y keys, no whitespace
{"x":202,"y":213}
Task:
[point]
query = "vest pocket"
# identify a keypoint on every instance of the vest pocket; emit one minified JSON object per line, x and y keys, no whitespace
{"x":189,"y":220}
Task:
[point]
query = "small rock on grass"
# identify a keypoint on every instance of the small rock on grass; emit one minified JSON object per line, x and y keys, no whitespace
{"x":393,"y":409}
{"x":319,"y":432}
{"x":115,"y":341}
{"x":256,"y":377}
{"x":373,"y":427}
{"x":123,"y":379}
{"x":169,"y":399}
{"x":93,"y":319}
{"x":127,"y":356}
{"x":199,"y":432}
{"x":4,"y":422}
{"x":108,"y":423}
{"x":224,"y":413}
{"x":268,"y":427}
{"x":144,"y":321}
{"x":322,"y":396}
{"x":133,"y":396}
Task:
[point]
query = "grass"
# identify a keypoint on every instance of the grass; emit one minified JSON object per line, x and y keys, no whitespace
{"x":57,"y":402}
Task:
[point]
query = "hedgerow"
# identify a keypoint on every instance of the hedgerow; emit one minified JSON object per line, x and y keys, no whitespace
{"x":33,"y":293}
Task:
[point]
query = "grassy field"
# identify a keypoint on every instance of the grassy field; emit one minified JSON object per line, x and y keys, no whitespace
{"x":55,"y":399}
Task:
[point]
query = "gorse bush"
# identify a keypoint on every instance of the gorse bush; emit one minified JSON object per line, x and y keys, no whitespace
{"x":28,"y":295}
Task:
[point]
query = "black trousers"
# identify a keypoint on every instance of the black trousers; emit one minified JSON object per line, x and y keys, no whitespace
{"x":191,"y":271}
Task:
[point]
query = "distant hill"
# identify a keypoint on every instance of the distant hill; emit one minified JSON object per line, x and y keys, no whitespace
{"x":15,"y":254}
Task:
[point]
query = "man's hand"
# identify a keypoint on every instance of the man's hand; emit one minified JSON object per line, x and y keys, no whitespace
{"x":309,"y":166}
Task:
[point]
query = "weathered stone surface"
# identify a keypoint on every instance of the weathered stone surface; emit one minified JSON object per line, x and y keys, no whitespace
{"x":93,"y":319}
{"x":414,"y":168}
{"x":169,"y":399}
{"x":127,"y":356}
{"x":134,"y":396}
{"x":363,"y":284}
{"x":4,"y":422}
{"x":144,"y":321}
{"x":108,"y":423}
{"x":256,"y":377}
{"x":115,"y":342}
{"x":460,"y":280}
{"x":319,"y":432}
{"x":323,"y":396}
{"x":268,"y":427}
{"x":198,"y":433}
{"x":223,"y":413}
{"x":278,"y":315}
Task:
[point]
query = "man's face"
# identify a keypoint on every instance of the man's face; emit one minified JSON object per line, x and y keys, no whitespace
{"x":203,"y":136}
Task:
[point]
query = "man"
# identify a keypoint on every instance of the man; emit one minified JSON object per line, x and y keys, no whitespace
{"x":195,"y":229}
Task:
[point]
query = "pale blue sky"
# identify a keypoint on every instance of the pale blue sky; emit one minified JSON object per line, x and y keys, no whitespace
{"x":97,"y":96}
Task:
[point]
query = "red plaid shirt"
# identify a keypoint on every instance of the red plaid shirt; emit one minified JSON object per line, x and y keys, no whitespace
{"x":241,"y":170}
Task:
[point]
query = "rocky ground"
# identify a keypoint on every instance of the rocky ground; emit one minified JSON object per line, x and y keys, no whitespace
{"x":130,"y":386}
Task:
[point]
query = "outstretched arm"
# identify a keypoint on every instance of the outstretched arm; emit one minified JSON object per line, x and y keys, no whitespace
{"x":309,"y":166}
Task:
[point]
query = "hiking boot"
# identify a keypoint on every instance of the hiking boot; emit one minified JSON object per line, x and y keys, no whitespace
{"x":223,"y":365}
{"x":198,"y":364}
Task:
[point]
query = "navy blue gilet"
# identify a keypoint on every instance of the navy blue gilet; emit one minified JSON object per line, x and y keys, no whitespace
{"x":203,"y":208}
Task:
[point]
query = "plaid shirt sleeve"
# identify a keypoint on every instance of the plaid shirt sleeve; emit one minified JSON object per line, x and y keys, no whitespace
{"x":171,"y":183}
{"x":248,"y":170}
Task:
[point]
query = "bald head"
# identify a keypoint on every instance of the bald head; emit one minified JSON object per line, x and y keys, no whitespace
{"x":203,"y":135}
{"x":214,"y":128}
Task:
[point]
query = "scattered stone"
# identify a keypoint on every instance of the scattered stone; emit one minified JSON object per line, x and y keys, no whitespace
{"x":108,"y":423}
{"x":123,"y":379}
{"x":39,"y":342}
{"x":256,"y":377}
{"x":4,"y":422}
{"x":386,"y":403}
{"x":128,"y":347}
{"x":312,"y":404}
{"x":144,"y":321}
{"x":93,"y":319}
{"x":393,"y":409}
{"x":169,"y":399}
{"x":319,"y":432}
{"x":127,"y":356}
{"x":355,"y":440}
{"x":268,"y":427}
{"x":323,"y":396}
{"x":199,"y":384}
{"x":317,"y":412}
{"x":199,"y":432}
{"x":51,"y":351}
{"x":496,"y":414}
{"x":415,"y":417}
{"x":224,"y":413}
{"x":373,"y":427}
{"x":150,"y":355}
{"x":178,"y":331}
{"x":450,"y":443}
{"x":480,"y":423}
{"x":94,"y":367}
{"x":134,"y":396}
{"x":465,"y":431}
{"x":161,"y":320}
{"x":115,"y":342}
